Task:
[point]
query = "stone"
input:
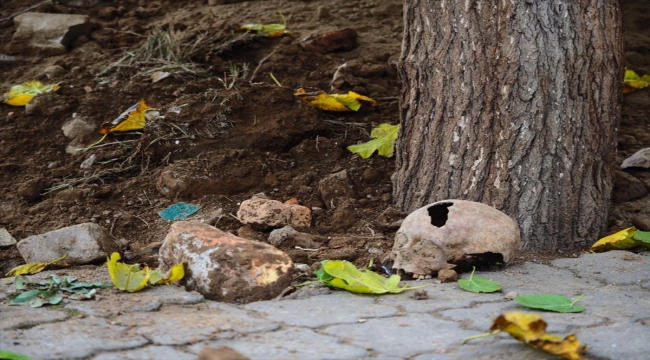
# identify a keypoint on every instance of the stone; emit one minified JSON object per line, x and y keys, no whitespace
{"x":148,"y":352}
{"x":45,"y":341}
{"x":181,"y":325}
{"x":225,"y":267}
{"x":300,"y":312}
{"x":337,"y":40}
{"x":288,"y":236}
{"x":53,"y":71}
{"x":220,"y":353}
{"x":640,"y":159}
{"x":441,"y":234}
{"x":641,"y":222}
{"x":335,"y":186}
{"x":17,"y":317}
{"x":6,"y":239}
{"x":344,"y":216}
{"x":31,"y":189}
{"x":403,"y":337}
{"x":447,"y":275}
{"x":289,"y":343}
{"x":268,"y":213}
{"x":84,"y":243}
{"x":176,"y":183}
{"x":45,"y":34}
{"x":627,"y":187}
{"x":77,"y":128}
{"x":47,"y":104}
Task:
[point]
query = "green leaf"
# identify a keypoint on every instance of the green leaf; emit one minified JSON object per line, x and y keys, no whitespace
{"x":346,"y":276}
{"x":24,"y":297}
{"x":550,"y":302}
{"x":8,"y":355}
{"x":19,"y":283}
{"x":321,"y":274}
{"x":384,"y":137}
{"x":478,"y":284}
{"x":643,"y":236}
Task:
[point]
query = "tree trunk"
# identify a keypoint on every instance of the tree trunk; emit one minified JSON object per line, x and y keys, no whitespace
{"x":514,"y":104}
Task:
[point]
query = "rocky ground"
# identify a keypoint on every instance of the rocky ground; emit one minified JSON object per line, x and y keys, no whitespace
{"x":225,"y":130}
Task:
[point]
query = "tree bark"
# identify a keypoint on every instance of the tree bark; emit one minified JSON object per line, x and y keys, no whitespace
{"x":514,"y":104}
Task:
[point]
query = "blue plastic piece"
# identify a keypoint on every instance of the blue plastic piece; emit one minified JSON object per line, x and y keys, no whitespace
{"x":179,"y":211}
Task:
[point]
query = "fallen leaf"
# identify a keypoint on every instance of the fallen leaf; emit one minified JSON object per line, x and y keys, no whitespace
{"x":319,"y":99}
{"x":51,"y":291}
{"x":344,"y":275}
{"x":383,"y":142}
{"x":127,"y":277}
{"x":531,"y":329}
{"x":478,"y":284}
{"x":550,"y":302}
{"x":159,"y":75}
{"x":131,"y":119}
{"x":270,"y":30}
{"x":175,"y":273}
{"x":20,"y":95}
{"x":8,"y":355}
{"x":633,"y":82}
{"x":33,"y":268}
{"x":621,"y":240}
{"x":642,"y":236}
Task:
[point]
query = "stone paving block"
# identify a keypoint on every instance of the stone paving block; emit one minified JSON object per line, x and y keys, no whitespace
{"x":15,"y":317}
{"x":178,"y":325}
{"x":622,"y":341}
{"x":340,"y":307}
{"x":147,"y":353}
{"x":611,"y":267}
{"x":115,"y":302}
{"x":531,"y":278}
{"x":290,"y":343}
{"x":402,"y":336}
{"x":76,"y":338}
{"x":441,"y":296}
{"x":500,"y":347}
{"x":618,"y":303}
{"x":482,"y":316}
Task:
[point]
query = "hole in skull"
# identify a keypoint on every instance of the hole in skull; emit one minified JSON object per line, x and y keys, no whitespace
{"x":438,"y":214}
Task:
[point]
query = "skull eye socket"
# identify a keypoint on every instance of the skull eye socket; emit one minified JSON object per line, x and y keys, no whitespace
{"x":438,"y":214}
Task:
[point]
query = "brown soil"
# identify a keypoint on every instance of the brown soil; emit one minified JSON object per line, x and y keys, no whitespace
{"x":227,"y":133}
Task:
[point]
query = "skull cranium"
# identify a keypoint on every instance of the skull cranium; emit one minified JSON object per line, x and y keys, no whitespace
{"x":438,"y":235}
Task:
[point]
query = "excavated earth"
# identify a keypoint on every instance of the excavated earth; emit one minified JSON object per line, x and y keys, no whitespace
{"x":225,"y":130}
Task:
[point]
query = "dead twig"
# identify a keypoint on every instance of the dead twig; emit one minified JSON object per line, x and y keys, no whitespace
{"x":260,"y":65}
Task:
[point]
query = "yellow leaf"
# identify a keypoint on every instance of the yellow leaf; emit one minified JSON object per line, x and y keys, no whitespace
{"x":318,"y":99}
{"x":20,"y":95}
{"x":132,"y":119}
{"x":618,"y":241}
{"x":127,"y":277}
{"x":531,"y":329}
{"x":521,"y":326}
{"x":568,"y":348}
{"x":176,"y":273}
{"x":270,"y":30}
{"x":633,"y":81}
{"x":33,"y":268}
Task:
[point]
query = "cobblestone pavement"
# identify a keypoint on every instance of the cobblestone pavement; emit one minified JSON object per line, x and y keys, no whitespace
{"x":168,"y":323}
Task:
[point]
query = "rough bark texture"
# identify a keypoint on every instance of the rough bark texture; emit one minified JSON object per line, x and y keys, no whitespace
{"x":514,"y":104}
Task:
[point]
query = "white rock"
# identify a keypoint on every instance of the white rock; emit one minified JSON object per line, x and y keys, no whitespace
{"x":6,"y":239}
{"x":640,"y":159}
{"x":48,"y":34}
{"x":84,"y":243}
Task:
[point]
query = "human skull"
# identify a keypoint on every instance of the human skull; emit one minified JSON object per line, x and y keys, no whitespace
{"x":438,"y":235}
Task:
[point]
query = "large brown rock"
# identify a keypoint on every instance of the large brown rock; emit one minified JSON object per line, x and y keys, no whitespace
{"x":225,"y":267}
{"x":268,"y":213}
